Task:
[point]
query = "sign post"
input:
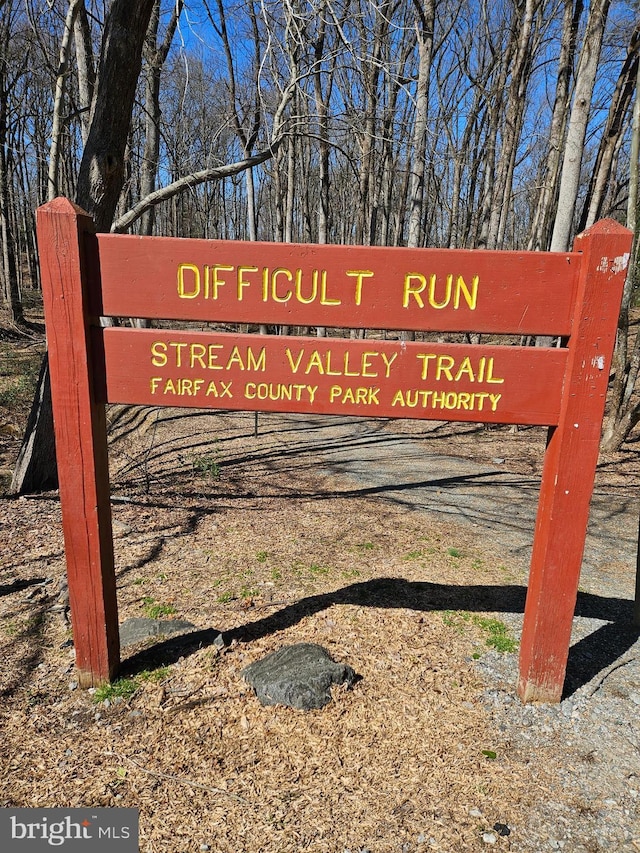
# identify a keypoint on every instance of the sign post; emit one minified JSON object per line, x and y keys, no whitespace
{"x":572,"y":295}
{"x":81,"y":442}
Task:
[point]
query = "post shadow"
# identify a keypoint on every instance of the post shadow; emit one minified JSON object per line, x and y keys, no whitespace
{"x":587,"y":657}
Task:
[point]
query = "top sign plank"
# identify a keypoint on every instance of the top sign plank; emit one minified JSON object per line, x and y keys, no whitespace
{"x":335,"y":286}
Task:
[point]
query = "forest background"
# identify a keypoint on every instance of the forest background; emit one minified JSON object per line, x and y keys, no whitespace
{"x":497,"y":124}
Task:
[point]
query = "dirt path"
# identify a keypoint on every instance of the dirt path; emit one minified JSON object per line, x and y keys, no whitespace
{"x":499,"y":505}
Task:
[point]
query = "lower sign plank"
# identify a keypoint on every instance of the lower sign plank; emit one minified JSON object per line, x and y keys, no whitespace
{"x":493,"y":384}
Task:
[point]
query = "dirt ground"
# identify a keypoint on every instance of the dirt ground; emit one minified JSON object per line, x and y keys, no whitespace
{"x":240,"y":533}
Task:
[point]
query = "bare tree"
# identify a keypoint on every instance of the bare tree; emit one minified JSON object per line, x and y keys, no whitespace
{"x":155,"y":56}
{"x":99,"y":184}
{"x":543,"y":215}
{"x":425,"y":22}
{"x":523,"y":33}
{"x":577,"y":128}
{"x":7,"y":231}
{"x":59,"y":100}
{"x":624,"y":409}
{"x":612,"y":136}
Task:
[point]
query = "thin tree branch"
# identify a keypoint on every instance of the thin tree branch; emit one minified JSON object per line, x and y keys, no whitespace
{"x":215,"y":173}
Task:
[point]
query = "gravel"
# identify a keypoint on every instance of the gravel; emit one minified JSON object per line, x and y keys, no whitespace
{"x":592,"y":738}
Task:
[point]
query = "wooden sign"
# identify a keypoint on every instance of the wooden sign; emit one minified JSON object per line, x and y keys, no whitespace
{"x":494,"y":384}
{"x":572,"y":295}
{"x":350,"y":287}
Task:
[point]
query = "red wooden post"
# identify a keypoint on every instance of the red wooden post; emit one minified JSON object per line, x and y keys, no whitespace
{"x":81,"y":445}
{"x":570,"y":463}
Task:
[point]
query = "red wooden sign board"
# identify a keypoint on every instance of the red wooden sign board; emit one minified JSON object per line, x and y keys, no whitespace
{"x":573,"y":295}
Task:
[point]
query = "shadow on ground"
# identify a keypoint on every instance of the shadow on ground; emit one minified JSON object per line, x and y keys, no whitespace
{"x":587,"y":658}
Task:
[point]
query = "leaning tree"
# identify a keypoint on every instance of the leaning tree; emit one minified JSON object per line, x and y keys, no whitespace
{"x":100,"y":181}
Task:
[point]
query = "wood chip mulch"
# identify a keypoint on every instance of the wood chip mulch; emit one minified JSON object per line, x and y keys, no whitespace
{"x":209,"y":531}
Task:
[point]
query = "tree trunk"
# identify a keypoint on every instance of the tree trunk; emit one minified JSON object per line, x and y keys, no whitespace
{"x":496,"y":110}
{"x":512,"y":123}
{"x":576,"y":133}
{"x":9,"y":266}
{"x":99,"y":185}
{"x":322,"y":111}
{"x":34,"y":471}
{"x":155,"y":56}
{"x":541,"y":228}
{"x":61,"y":78}
{"x":425,"y":22}
{"x":617,"y":431}
{"x":102,"y":167}
{"x":623,"y":415}
{"x":86,"y":68}
{"x":610,"y":141}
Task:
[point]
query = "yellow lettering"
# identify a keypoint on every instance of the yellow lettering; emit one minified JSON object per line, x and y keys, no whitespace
{"x":360,"y":396}
{"x":367,"y":368}
{"x":235,"y":359}
{"x":293,"y":364}
{"x":315,"y":360}
{"x":242,"y":283}
{"x":411,"y":289}
{"x":348,"y":372}
{"x":420,"y":398}
{"x":490,"y":376}
{"x":281,"y":271}
{"x":183,"y":293}
{"x":158,"y":354}
{"x":307,"y":300}
{"x":218,"y":282}
{"x":328,"y":369}
{"x":426,"y":358}
{"x":443,"y":366}
{"x":359,"y":275}
{"x":432,"y":292}
{"x":324,"y":299}
{"x":197,"y":353}
{"x":278,"y":391}
{"x":259,"y":363}
{"x":388,"y":361}
{"x":178,"y":347}
{"x":471,"y":298}
{"x":213,"y":357}
{"x":465,"y":369}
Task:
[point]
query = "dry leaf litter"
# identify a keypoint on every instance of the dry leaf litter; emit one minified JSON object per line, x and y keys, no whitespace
{"x":252,"y":540}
